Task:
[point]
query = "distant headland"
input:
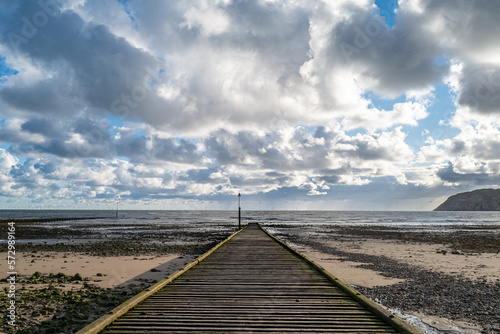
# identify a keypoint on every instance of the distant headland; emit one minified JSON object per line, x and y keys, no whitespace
{"x":477,"y":200}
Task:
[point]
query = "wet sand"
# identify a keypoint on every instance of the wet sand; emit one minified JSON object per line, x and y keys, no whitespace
{"x":450,"y":281}
{"x":433,"y":257}
{"x":477,"y":267}
{"x":103,"y":271}
{"x":71,"y":274}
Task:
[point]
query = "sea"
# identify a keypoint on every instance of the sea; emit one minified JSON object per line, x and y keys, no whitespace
{"x":380,"y":218}
{"x":310,"y":222}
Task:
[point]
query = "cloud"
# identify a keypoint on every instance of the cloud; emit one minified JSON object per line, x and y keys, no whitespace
{"x":152,"y":148}
{"x":465,"y":28}
{"x":448,"y":174}
{"x":407,"y":113}
{"x":301,"y":158}
{"x":471,"y":156}
{"x":262,"y":64}
{"x":323,"y":154}
{"x":153,"y":100}
{"x":77,"y":138}
{"x":89,"y":66}
{"x":387,"y":61}
{"x":11,"y":132}
{"x":464,"y":31}
{"x":478,"y":139}
{"x":44,"y":127}
{"x":480,"y":88}
{"x":7,"y":183}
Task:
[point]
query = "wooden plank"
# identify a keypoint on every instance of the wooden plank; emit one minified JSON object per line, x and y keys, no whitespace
{"x":253,"y":283}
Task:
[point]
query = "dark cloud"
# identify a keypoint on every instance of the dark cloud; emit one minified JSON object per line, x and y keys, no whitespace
{"x":132,"y":147}
{"x":54,"y":147}
{"x":58,"y":138}
{"x":45,"y":127}
{"x":90,"y":66}
{"x":48,"y":96}
{"x":46,"y":168}
{"x":368,"y":149}
{"x":480,"y":88}
{"x":275,"y":174}
{"x":458,"y":146}
{"x":394,"y":60}
{"x":203,"y":176}
{"x":448,"y":174}
{"x":468,"y":36}
{"x":145,"y":148}
{"x":330,"y":179}
{"x":280,"y":34}
{"x":171,"y":150}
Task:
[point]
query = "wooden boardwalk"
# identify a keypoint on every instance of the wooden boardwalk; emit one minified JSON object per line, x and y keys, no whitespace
{"x":253,"y":283}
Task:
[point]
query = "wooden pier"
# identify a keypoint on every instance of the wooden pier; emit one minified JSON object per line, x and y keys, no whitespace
{"x":250,"y":283}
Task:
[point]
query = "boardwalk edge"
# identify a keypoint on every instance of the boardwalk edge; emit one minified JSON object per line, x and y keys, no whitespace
{"x":392,"y":320}
{"x":101,"y":323}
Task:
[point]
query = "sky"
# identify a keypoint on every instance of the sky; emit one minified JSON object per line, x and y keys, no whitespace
{"x":297,"y":105}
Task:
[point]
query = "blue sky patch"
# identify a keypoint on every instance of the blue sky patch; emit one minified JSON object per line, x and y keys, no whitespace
{"x":5,"y":71}
{"x":381,"y":103}
{"x":387,"y":8}
{"x":435,"y":125}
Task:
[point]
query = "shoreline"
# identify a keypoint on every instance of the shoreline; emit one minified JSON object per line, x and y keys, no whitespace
{"x":388,"y":265}
{"x":364,"y":278}
{"x":456,"y":293}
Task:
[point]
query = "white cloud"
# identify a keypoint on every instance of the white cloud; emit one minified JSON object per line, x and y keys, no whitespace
{"x":208,"y":17}
{"x":464,"y":31}
{"x":185,"y":99}
{"x":432,"y":153}
{"x":261,"y":64}
{"x":7,"y":160}
{"x":408,"y":113}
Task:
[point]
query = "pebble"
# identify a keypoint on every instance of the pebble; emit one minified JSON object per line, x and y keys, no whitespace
{"x":432,"y":293}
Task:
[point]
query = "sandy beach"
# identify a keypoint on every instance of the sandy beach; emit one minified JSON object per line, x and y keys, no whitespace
{"x":44,"y":274}
{"x":478,"y":267}
{"x":71,"y":274}
{"x":113,"y":278}
{"x":450,"y":282}
{"x":113,"y":271}
{"x":433,"y":257}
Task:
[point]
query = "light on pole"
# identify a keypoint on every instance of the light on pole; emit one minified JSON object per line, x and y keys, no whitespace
{"x":239,"y":211}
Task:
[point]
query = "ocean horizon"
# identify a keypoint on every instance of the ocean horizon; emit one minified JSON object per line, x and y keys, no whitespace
{"x":411,"y":220}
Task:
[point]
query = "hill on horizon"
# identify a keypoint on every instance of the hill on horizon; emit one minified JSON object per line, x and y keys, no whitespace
{"x":477,"y":200}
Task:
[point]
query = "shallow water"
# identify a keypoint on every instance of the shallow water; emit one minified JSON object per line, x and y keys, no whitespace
{"x":410,"y":220}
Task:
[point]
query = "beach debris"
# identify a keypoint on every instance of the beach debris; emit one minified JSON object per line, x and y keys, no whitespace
{"x":77,"y":277}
